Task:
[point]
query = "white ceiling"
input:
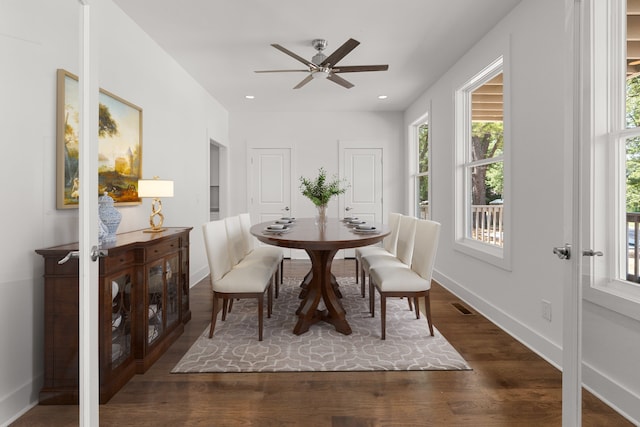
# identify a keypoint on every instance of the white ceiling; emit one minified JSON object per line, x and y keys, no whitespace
{"x":222,"y":42}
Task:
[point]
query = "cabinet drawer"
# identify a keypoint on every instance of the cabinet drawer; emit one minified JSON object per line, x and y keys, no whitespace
{"x":162,"y":249}
{"x":117,"y":261}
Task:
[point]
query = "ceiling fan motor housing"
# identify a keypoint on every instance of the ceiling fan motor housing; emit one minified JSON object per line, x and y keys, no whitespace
{"x":319,"y":45}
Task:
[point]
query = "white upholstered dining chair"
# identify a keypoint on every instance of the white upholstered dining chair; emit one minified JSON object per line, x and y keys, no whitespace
{"x":388,"y":248}
{"x":403,"y":253}
{"x":270,"y":254}
{"x":230,"y":280}
{"x":415,"y":282}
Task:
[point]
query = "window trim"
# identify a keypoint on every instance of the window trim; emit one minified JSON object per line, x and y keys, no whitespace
{"x":608,"y":135}
{"x":413,"y":163}
{"x":497,"y":256}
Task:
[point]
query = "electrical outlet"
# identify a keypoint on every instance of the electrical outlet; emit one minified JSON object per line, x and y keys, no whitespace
{"x":546,"y":310}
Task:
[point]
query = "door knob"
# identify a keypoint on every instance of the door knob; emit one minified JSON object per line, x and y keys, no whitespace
{"x":591,"y":252}
{"x":563,"y":252}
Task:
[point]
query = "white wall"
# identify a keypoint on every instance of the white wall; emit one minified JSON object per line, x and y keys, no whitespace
{"x":535,"y":59}
{"x":179,"y":119}
{"x":314,"y":139}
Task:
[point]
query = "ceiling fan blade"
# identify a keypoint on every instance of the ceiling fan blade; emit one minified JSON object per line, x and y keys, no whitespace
{"x":358,"y":68}
{"x":340,"y":53}
{"x":342,"y":82}
{"x":293,"y":55}
{"x":304,"y":82}
{"x":281,"y":71}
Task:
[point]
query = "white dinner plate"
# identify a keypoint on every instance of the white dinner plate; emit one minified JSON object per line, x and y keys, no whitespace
{"x":277,"y":227}
{"x":357,"y":231}
{"x":279,"y":231}
{"x":364,"y":227}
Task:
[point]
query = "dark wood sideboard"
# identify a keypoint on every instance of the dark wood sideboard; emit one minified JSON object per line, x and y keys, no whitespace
{"x":143,"y":305}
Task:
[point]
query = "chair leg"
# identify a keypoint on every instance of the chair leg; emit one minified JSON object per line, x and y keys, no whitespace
{"x":415,"y":301}
{"x":383,"y":316}
{"x":226,"y":307}
{"x":427,"y":311}
{"x":410,"y":304}
{"x":357,"y":271}
{"x":270,"y":297}
{"x":260,"y":314}
{"x":282,"y":271}
{"x":214,"y":315}
{"x":372,"y":298}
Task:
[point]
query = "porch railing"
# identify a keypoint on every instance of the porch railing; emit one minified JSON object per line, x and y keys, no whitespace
{"x":487,"y":224}
{"x":633,"y":266}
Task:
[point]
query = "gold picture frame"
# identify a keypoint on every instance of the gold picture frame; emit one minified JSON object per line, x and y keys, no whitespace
{"x":119,"y":145}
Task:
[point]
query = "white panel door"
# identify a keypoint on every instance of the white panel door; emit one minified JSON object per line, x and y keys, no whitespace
{"x":362,"y":168}
{"x":269,"y":184}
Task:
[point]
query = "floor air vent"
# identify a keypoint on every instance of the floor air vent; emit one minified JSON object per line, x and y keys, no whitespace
{"x":461,"y":308}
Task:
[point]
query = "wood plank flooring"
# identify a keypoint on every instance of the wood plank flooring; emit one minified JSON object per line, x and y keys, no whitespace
{"x":509,"y":385}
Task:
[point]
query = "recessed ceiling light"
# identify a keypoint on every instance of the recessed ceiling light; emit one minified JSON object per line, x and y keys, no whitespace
{"x":250,"y":97}
{"x":382,"y":96}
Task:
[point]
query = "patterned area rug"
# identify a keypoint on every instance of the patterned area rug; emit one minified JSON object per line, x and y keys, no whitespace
{"x":235,"y":346}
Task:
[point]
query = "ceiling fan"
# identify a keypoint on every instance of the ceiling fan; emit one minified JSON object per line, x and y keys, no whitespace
{"x":322,"y":66}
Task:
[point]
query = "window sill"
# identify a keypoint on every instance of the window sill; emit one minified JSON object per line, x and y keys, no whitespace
{"x":617,"y":295}
{"x":488,"y":253}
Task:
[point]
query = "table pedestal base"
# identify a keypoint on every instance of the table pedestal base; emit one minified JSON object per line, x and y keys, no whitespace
{"x":319,"y":284}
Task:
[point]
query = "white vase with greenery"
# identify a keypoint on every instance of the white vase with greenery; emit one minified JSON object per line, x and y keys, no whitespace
{"x":320,"y":191}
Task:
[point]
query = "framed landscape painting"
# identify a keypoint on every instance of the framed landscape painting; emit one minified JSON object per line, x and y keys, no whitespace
{"x":119,"y":145}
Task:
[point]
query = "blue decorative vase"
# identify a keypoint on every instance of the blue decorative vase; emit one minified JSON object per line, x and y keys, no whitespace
{"x":109,"y":216}
{"x":103,"y":231}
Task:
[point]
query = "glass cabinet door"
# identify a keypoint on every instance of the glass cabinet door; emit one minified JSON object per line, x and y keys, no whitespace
{"x":172,"y":275}
{"x":184,"y":282}
{"x":155,"y":301}
{"x":121,"y":317}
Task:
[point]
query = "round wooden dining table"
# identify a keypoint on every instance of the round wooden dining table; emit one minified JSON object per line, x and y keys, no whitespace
{"x":321,"y":244}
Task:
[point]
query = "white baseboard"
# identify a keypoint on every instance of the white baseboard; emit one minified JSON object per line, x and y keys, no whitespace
{"x":540,"y":345}
{"x":600,"y":385}
{"x":626,"y":403}
{"x":18,"y":402}
{"x":196,"y":277}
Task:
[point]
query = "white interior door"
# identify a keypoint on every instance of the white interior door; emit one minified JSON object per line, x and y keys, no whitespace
{"x":362,"y":168}
{"x":573,"y":220}
{"x":88,"y":284}
{"x":269,"y":184}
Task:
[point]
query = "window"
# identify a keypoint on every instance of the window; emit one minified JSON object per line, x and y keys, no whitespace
{"x":422,"y":172}
{"x":614,"y":120}
{"x":629,"y":137}
{"x":480,"y":179}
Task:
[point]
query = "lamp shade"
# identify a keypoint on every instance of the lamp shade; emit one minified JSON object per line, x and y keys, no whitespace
{"x":155,"y":188}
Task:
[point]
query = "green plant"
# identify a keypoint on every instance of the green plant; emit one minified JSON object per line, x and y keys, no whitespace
{"x":319,"y":191}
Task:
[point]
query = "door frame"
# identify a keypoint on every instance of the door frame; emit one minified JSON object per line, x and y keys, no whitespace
{"x":577,"y":142}
{"x":88,"y":282}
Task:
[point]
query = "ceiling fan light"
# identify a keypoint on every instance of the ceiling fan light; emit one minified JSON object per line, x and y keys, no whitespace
{"x":320,"y":74}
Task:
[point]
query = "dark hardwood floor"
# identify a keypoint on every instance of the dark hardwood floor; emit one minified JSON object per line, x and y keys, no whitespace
{"x":508,"y":386}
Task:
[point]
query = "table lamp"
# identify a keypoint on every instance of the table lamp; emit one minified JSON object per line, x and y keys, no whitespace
{"x":155,"y":188}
